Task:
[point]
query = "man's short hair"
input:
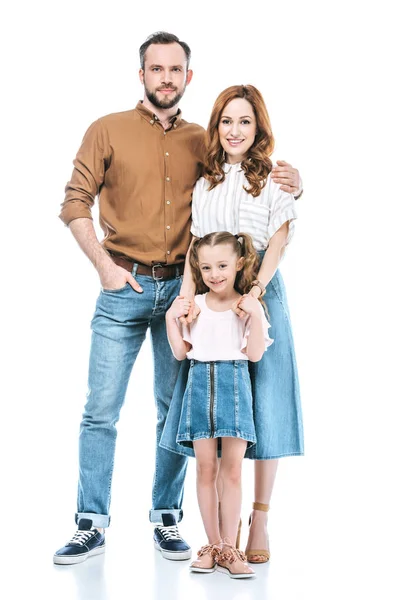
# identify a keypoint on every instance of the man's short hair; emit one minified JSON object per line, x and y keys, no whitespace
{"x":162,"y":37}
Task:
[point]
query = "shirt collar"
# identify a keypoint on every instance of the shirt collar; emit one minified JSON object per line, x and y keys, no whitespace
{"x":151,"y":118}
{"x":227,"y":167}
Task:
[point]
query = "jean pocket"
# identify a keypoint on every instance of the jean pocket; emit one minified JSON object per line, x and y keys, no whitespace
{"x":107,"y":291}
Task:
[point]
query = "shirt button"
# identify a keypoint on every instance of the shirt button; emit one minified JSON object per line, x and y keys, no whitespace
{"x":168,"y":179}
{"x":168,"y":227}
{"x":168,"y":252}
{"x":165,"y":133}
{"x":152,"y":122}
{"x":174,"y":124}
{"x":168,"y":202}
{"x":167,"y":154}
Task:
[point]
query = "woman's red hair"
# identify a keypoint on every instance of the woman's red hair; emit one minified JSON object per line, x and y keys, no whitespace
{"x":257,"y":163}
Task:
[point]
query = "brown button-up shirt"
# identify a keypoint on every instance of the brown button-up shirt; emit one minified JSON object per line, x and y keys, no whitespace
{"x":144,"y":177}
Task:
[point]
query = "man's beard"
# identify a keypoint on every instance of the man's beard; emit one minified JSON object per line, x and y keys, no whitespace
{"x":163,"y":103}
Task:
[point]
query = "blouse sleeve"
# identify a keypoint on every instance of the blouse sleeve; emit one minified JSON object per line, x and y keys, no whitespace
{"x":265,"y":326}
{"x":282,"y":209}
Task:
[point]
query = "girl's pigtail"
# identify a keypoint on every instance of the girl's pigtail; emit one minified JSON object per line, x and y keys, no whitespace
{"x":250,"y":263}
{"x":194,"y":265}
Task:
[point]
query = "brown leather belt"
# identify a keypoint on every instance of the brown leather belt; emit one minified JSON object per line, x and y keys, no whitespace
{"x":158,"y":271}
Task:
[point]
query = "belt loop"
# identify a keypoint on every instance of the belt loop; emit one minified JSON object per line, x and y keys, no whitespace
{"x":135,"y":268}
{"x":177,"y":274}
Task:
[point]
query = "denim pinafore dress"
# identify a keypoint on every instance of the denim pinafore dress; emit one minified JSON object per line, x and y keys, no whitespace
{"x":217,"y":403}
{"x":217,"y":400}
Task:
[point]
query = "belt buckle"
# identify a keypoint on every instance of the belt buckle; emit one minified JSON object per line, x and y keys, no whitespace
{"x":153,"y":272}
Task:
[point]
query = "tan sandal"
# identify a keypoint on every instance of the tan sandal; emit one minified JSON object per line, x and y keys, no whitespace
{"x":238,"y":534}
{"x":258,"y":556}
{"x":207,"y":559}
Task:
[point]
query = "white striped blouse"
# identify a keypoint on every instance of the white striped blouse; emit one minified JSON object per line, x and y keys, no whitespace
{"x":228,"y":207}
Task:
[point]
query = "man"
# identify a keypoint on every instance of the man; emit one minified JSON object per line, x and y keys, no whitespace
{"x":143,"y":164}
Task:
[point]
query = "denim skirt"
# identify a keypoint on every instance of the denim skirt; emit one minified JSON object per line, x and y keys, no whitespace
{"x":275,"y":388}
{"x":275,"y":385}
{"x":217,"y":402}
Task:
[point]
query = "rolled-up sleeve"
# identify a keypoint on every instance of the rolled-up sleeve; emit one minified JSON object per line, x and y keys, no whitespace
{"x":87,"y":176}
{"x":282,"y":209}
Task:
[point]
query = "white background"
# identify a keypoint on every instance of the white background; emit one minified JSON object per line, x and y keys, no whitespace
{"x":328,"y":74}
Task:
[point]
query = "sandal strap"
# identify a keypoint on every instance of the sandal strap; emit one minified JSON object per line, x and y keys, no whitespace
{"x":260,"y":506}
{"x":258,"y":556}
{"x":251,"y":553}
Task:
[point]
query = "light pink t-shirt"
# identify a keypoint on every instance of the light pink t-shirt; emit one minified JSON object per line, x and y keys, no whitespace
{"x":219,"y":335}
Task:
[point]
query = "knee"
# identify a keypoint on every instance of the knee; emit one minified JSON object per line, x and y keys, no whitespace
{"x":99,"y":417}
{"x":231,"y":474}
{"x":207,"y":471}
{"x":102,"y":409}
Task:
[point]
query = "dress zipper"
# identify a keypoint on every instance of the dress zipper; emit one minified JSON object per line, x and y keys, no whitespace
{"x":212,"y":365}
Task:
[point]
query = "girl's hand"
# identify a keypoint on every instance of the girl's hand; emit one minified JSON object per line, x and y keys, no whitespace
{"x":249,"y":305}
{"x":193,"y":313}
{"x":179,"y":307}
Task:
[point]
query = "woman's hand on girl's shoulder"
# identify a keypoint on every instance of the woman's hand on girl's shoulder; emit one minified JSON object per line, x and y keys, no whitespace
{"x":249,"y":305}
{"x":237,"y":309}
{"x":191,"y":315}
{"x":179,"y":307}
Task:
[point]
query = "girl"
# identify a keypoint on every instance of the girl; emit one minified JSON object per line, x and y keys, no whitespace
{"x":217,"y":402}
{"x":237,"y":193}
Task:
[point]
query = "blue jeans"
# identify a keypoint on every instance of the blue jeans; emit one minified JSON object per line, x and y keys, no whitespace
{"x":119,"y":327}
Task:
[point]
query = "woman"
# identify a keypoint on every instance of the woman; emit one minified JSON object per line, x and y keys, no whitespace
{"x":237,"y":193}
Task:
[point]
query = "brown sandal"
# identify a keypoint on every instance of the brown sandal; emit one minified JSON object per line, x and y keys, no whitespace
{"x":258,"y":556}
{"x":238,"y":534}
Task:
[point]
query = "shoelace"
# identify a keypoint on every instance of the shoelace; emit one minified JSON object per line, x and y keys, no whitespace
{"x":81,"y":537}
{"x":170,"y":533}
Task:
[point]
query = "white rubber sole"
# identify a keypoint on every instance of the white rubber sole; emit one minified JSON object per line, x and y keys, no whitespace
{"x":235,"y":575}
{"x":74,"y":560}
{"x":174,"y":555}
{"x":200,"y":570}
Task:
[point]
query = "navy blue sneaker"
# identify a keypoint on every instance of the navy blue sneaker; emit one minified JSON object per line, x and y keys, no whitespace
{"x":168,"y":540}
{"x":86,"y":542}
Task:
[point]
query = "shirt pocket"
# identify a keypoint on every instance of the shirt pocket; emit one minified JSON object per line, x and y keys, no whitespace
{"x":254,"y":216}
